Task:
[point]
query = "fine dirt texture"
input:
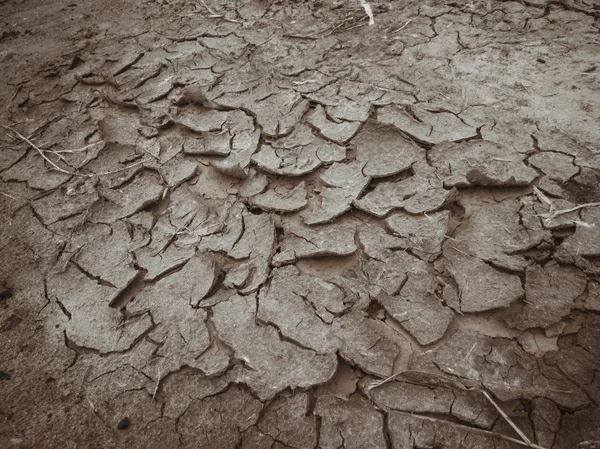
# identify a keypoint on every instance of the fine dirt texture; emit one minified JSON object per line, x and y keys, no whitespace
{"x":267,"y":224}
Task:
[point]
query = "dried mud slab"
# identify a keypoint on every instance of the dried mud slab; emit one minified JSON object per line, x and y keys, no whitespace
{"x":107,"y":257}
{"x":418,"y":307}
{"x":180,"y":328}
{"x":302,"y":308}
{"x":468,"y":406}
{"x":343,"y":184}
{"x":480,"y":163}
{"x":289,"y":421}
{"x":425,"y":233}
{"x":339,"y":132}
{"x":407,"y":430}
{"x":133,"y":197}
{"x":366,"y":343}
{"x":500,"y":366}
{"x":585,"y":242}
{"x":92,"y":322}
{"x":550,"y":293}
{"x":255,"y":248}
{"x":282,"y":199}
{"x":276,"y":110}
{"x":218,"y":421}
{"x":496,"y":235}
{"x":384,"y":151}
{"x":429,"y":126}
{"x":263,"y":351}
{"x":301,"y":242}
{"x":418,"y":194}
{"x":481,"y":287}
{"x":298,"y":154}
{"x":63,"y":204}
{"x":352,"y":424}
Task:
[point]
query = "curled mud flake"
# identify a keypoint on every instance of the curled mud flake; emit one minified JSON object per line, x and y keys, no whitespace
{"x":255,"y":183}
{"x":500,"y":366}
{"x":282,"y":199}
{"x":299,"y":306}
{"x":338,"y":132}
{"x":143,"y":191}
{"x":375,"y":239}
{"x":302,"y":242}
{"x":170,"y":147}
{"x":157,"y":262}
{"x":550,"y":292}
{"x":350,"y":423}
{"x":344,"y":183}
{"x":230,"y":225}
{"x":384,"y":151}
{"x":480,"y":163}
{"x":551,"y":187}
{"x":369,"y":344}
{"x":418,"y":194}
{"x":349,"y":110}
{"x":432,"y":127}
{"x":201,"y":121}
{"x":243,"y":146}
{"x":218,"y":421}
{"x":93,"y":323}
{"x":424,"y":234}
{"x":177,"y":171}
{"x":257,"y":245}
{"x":297,"y":154}
{"x":262,"y":351}
{"x":155,"y":89}
{"x":418,"y":307}
{"x":276,"y":110}
{"x":211,"y":144}
{"x":288,"y":420}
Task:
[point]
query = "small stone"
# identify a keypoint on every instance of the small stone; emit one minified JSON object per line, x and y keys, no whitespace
{"x":124,"y":424}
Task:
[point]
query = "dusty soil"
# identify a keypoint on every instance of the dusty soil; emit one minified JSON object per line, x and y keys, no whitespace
{"x":225,"y":223}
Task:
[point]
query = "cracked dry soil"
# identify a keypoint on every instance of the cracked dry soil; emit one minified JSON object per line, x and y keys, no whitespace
{"x":225,"y":222}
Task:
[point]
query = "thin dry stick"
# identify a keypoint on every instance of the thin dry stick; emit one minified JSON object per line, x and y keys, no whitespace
{"x":120,"y":169}
{"x":214,"y":15}
{"x":77,"y":150}
{"x":507,"y":419}
{"x":526,"y":441}
{"x":41,"y":152}
{"x":8,"y":196}
{"x":402,"y":27}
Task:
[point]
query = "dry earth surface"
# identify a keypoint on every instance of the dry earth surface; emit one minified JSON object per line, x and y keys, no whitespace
{"x":225,"y":222}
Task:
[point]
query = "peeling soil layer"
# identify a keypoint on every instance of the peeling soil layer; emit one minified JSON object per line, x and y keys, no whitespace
{"x":247,"y":224}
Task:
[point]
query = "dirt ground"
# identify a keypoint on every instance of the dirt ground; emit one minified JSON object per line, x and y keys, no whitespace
{"x":268,"y":224}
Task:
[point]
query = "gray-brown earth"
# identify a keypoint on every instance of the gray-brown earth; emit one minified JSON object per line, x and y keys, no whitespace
{"x":225,"y":223}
